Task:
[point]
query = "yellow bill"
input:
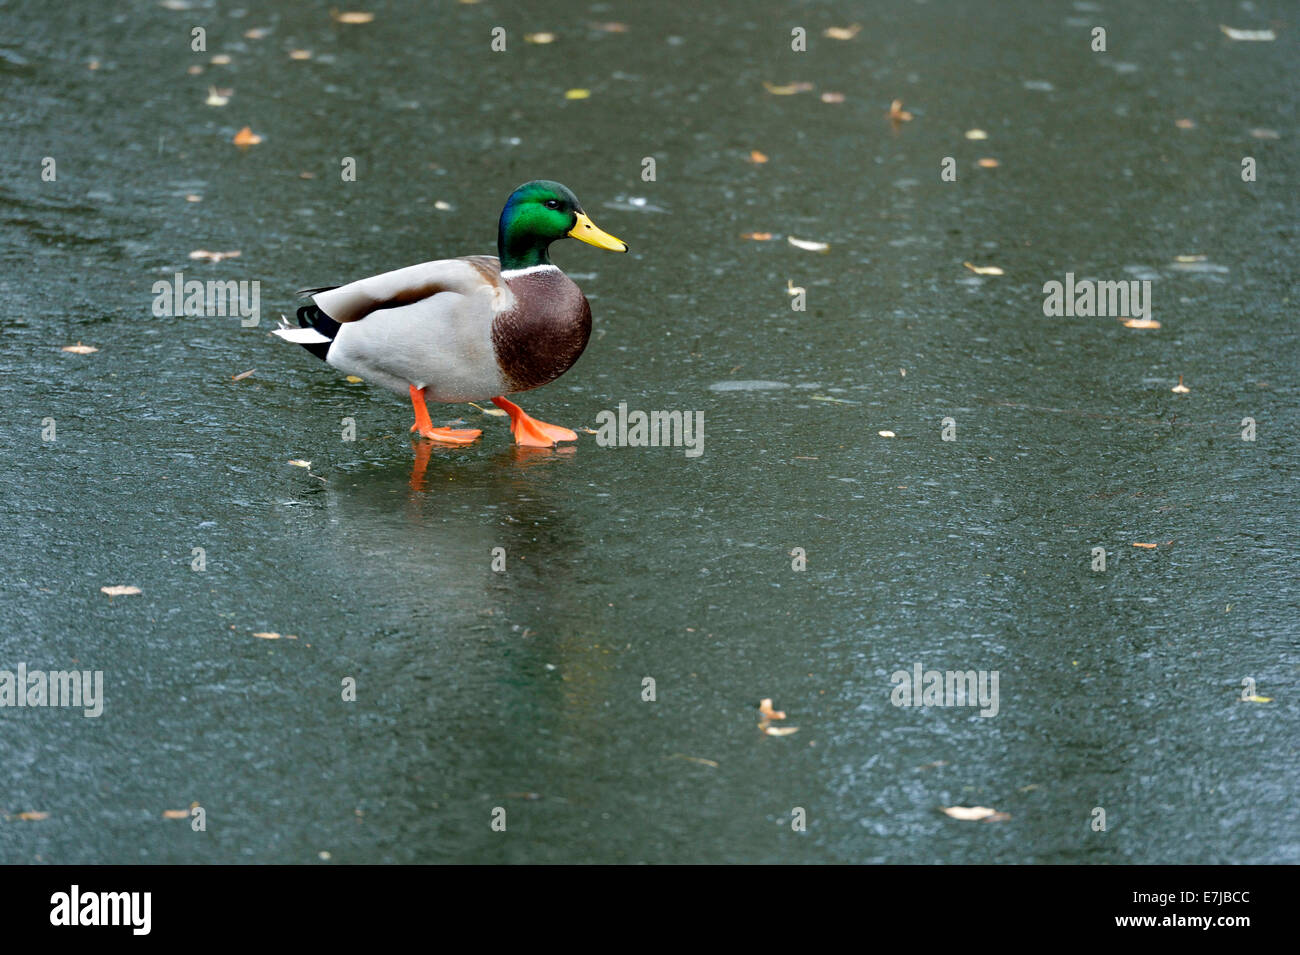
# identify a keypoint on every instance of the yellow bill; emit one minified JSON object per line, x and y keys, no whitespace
{"x":587,"y":231}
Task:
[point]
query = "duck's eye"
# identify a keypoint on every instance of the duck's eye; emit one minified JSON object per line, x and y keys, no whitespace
{"x":552,"y":203}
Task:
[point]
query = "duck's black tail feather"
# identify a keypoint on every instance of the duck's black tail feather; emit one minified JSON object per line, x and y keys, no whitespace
{"x":310,"y":316}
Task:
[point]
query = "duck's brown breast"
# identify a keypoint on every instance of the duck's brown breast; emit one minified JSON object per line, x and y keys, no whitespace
{"x":540,"y":337}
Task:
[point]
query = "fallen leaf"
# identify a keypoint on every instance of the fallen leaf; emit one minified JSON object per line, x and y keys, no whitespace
{"x":611,"y":27}
{"x":300,"y":54}
{"x":1258,"y":699}
{"x":842,"y":33}
{"x":300,"y":463}
{"x":214,"y":256}
{"x":120,"y":590}
{"x":757,"y":157}
{"x":494,"y":412}
{"x":1180,"y":388}
{"x":256,"y":33}
{"x":765,"y":707}
{"x":1141,"y":323}
{"x":778,"y":730}
{"x":975,"y":813}
{"x":897,"y":114}
{"x":93,"y":65}
{"x":242,"y":375}
{"x":1147,"y":546}
{"x":176,"y":814}
{"x":80,"y":349}
{"x":976,"y":134}
{"x":442,"y":205}
{"x":787,"y":90}
{"x":887,"y":434}
{"x":246,"y":137}
{"x":695,"y":759}
{"x":194,"y":70}
{"x":267,"y":635}
{"x":577,"y":94}
{"x":987,"y":163}
{"x":984,"y":269}
{"x":541,"y":39}
{"x":191,"y":197}
{"x":1190,"y":258}
{"x":33,"y":816}
{"x":355,"y":16}
{"x":1248,"y":35}
{"x":830,"y":97}
{"x":306,"y":175}
{"x":1185,"y":124}
{"x":757,"y":236}
{"x":216,"y":99}
{"x":808,"y":244}
{"x":354,"y":379}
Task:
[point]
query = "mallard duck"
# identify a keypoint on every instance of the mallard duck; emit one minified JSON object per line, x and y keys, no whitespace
{"x":468,"y":329}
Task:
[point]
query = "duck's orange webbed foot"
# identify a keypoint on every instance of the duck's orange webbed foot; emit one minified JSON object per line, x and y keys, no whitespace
{"x":424,"y":427}
{"x":530,"y":432}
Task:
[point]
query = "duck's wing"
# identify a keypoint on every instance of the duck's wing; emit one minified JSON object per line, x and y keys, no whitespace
{"x":470,"y":275}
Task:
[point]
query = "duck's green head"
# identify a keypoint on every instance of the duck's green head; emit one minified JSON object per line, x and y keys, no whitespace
{"x":537,"y":214}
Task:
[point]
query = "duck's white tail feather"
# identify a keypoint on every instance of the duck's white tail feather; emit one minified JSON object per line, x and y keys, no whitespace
{"x":301,"y":336}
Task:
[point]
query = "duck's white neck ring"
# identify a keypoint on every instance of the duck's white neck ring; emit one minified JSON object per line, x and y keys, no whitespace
{"x":513,"y":273}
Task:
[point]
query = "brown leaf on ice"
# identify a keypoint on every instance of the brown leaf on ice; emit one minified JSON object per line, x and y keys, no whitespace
{"x":611,"y":27}
{"x":80,"y":349}
{"x":214,"y":256}
{"x":354,"y":16}
{"x":976,"y":813}
{"x":120,"y":590}
{"x":541,"y":39}
{"x":300,"y":54}
{"x":33,"y":816}
{"x":788,"y":89}
{"x":842,"y":33}
{"x":765,"y":707}
{"x":976,"y":134}
{"x":777,"y":730}
{"x":256,"y":33}
{"x":1185,"y":123}
{"x":695,"y":759}
{"x":808,"y":244}
{"x":220,"y":59}
{"x":757,"y":236}
{"x":757,"y":157}
{"x":246,"y":137}
{"x":1147,"y":546}
{"x":987,"y":163}
{"x":1141,"y":323}
{"x":176,"y":814}
{"x":984,"y":269}
{"x":267,"y":635}
{"x":830,"y":97}
{"x":897,"y":114}
{"x":242,"y":375}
